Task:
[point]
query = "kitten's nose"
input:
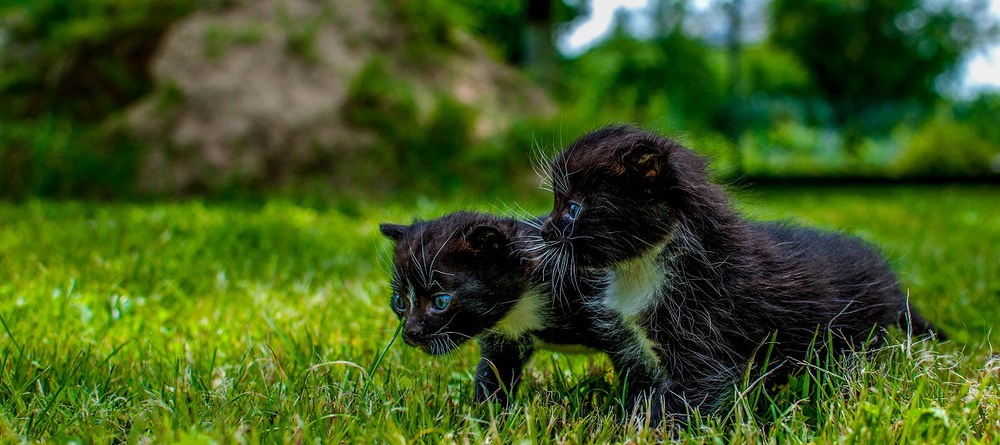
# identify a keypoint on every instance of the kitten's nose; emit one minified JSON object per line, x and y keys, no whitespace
{"x":547,"y":232}
{"x":550,"y":231}
{"x":413,"y":329}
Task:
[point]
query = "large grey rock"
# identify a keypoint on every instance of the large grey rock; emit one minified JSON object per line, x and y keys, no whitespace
{"x":256,"y":94}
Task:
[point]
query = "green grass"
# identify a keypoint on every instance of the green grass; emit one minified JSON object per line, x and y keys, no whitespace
{"x":196,"y":322}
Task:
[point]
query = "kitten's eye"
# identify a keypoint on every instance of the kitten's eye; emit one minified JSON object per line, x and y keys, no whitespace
{"x":574,"y":210}
{"x":442,"y":301}
{"x":397,"y":303}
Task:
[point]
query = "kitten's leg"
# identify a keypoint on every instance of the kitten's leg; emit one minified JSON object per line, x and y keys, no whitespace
{"x":499,"y":369}
{"x":635,"y":376}
{"x":636,"y":382}
{"x":675,"y":402}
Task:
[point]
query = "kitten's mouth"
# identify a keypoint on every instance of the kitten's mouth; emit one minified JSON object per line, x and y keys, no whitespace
{"x":584,"y":255}
{"x":559,"y":258}
{"x":439,"y":345}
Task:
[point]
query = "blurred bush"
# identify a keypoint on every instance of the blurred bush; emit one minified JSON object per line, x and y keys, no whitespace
{"x":60,"y":157}
{"x":79,"y":59}
{"x":417,"y":151}
{"x":944,"y":148}
{"x":65,"y":68}
{"x":668,"y":80}
{"x":869,"y":53}
{"x":774,"y":71}
{"x":983,"y":114}
{"x":504,"y":23}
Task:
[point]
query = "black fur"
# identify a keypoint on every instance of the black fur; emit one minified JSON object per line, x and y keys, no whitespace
{"x":479,"y":261}
{"x":722,"y":287}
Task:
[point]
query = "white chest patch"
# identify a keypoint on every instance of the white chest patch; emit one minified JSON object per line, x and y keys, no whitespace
{"x":528,"y":314}
{"x":635,"y":285}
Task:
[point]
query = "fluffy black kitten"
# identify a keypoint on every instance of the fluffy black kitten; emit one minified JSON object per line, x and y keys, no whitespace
{"x":466,"y":276}
{"x":713,"y":292}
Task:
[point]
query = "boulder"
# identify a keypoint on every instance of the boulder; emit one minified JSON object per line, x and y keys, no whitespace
{"x":259,"y":94}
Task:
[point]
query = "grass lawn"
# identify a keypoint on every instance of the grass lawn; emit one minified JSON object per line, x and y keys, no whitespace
{"x":197,"y":322}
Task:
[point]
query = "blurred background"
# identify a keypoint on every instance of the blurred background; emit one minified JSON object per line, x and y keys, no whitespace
{"x":125,"y":99}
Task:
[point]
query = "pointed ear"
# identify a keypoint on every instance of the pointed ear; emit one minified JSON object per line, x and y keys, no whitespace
{"x":394,"y":232}
{"x":486,"y":239}
{"x":642,"y":159}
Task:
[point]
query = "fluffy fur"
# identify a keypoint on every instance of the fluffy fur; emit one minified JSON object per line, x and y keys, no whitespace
{"x":711,"y":291}
{"x":501,"y":299}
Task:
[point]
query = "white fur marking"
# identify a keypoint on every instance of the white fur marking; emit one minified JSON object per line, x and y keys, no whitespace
{"x":644,"y":345}
{"x":633,"y":287}
{"x":636,"y":284}
{"x":527,"y":315}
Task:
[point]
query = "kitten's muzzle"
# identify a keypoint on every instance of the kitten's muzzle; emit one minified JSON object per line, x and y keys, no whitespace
{"x":416,"y":340}
{"x":555,"y":228}
{"x":431,"y":344}
{"x":413,"y":331}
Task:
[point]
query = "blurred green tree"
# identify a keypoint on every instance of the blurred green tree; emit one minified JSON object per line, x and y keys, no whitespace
{"x":65,"y":68}
{"x":668,"y":76}
{"x":870,"y":56}
{"x":79,"y":59}
{"x":506,"y":24}
{"x":983,"y":114}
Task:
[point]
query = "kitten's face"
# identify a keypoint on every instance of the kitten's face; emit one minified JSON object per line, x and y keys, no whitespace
{"x":454,"y":278}
{"x":612,"y":198}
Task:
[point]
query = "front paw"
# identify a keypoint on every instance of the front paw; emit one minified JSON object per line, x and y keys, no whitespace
{"x":655,"y":411}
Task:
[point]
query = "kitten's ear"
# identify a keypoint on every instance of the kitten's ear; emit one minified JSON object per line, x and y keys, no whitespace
{"x":486,"y":239}
{"x":394,"y":232}
{"x":642,"y":159}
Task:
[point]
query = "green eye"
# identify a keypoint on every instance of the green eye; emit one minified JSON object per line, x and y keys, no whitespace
{"x":397,"y":303}
{"x":441,"y":302}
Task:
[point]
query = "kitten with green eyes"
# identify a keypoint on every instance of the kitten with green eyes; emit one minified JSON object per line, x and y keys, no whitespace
{"x":465,"y":276}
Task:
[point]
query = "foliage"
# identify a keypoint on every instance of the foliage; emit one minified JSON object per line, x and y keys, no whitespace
{"x":503,"y":23}
{"x":983,"y":114}
{"x":771,"y":70}
{"x":66,"y":69}
{"x":943,"y":148}
{"x":219,"y":38}
{"x":60,"y":157}
{"x":777,"y":88}
{"x":418,"y":148}
{"x":791,"y":148}
{"x":500,"y":22}
{"x":875,"y":52}
{"x":847,"y":72}
{"x":301,"y":34}
{"x":427,"y":26}
{"x":667,"y":78}
{"x":83,"y":60}
{"x":199,"y":322}
{"x":667,"y":81}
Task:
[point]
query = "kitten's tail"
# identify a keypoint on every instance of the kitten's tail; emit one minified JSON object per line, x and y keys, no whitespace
{"x":912,"y":322}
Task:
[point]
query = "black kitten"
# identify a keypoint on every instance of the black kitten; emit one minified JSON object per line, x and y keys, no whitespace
{"x":466,"y":276}
{"x":712,"y":291}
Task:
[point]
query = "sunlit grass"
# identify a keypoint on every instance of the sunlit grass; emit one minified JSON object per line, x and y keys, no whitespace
{"x":270,"y":323}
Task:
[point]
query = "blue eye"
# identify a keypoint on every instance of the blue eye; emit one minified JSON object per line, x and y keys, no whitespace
{"x":441,"y":302}
{"x":574,"y":210}
{"x":397,"y":303}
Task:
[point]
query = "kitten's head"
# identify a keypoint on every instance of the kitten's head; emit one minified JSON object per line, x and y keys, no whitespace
{"x":617,"y":191}
{"x":454,"y":277}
